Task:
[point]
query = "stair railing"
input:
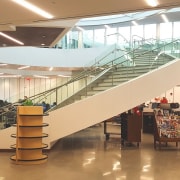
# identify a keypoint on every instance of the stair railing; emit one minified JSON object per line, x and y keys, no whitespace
{"x":111,"y":60}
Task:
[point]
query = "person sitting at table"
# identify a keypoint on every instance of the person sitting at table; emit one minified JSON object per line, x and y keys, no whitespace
{"x":164,"y":100}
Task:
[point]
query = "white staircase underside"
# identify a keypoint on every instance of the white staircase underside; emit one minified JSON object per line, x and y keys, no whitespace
{"x":97,"y":108}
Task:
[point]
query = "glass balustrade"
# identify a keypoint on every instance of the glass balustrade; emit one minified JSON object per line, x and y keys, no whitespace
{"x":127,"y":60}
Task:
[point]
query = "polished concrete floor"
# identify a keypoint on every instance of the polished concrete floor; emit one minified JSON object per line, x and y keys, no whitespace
{"x":86,"y":155}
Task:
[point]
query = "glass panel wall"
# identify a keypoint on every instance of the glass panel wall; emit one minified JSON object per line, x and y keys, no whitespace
{"x":99,"y":37}
{"x":137,"y":35}
{"x":123,"y":36}
{"x":88,"y":38}
{"x":165,"y":31}
{"x":73,"y":39}
{"x":176,"y":28}
{"x":150,"y":31}
{"x":111,"y":36}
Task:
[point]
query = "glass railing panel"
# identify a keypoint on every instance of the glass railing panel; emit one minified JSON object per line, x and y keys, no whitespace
{"x":114,"y":58}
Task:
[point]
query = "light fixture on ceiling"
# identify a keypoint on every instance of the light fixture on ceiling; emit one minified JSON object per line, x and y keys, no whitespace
{"x":11,"y":38}
{"x":10,"y":76}
{"x":24,"y":67}
{"x":80,"y":28}
{"x":162,"y":11}
{"x":41,"y":76}
{"x":51,"y":68}
{"x":135,"y":23}
{"x":3,"y":64}
{"x":164,"y":17}
{"x":61,"y":75}
{"x":34,"y":8}
{"x":107,"y":26}
{"x":152,"y":3}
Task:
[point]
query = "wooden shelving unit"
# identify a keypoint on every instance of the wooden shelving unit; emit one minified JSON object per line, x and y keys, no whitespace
{"x":29,"y":136}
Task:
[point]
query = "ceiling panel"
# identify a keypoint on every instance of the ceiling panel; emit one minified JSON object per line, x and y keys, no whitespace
{"x":32,"y":36}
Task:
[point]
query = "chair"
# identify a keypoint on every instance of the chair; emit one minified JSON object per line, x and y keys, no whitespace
{"x":11,"y":117}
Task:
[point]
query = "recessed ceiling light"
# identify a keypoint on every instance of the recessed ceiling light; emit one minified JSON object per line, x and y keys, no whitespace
{"x":34,"y":8}
{"x":135,"y":23}
{"x":24,"y":67}
{"x":11,"y":38}
{"x":152,"y":3}
{"x":51,"y":68}
{"x":41,"y":76}
{"x":164,"y":17}
{"x":80,"y":28}
{"x":10,"y":76}
{"x":61,"y":75}
{"x":3,"y":64}
{"x":107,"y":26}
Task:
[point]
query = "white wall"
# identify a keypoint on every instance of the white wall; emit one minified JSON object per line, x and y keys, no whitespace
{"x":95,"y":109}
{"x":49,"y":57}
{"x":102,"y":106}
{"x":13,"y":89}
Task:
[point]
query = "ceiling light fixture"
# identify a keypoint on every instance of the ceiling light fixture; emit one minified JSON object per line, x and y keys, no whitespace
{"x":41,"y":76}
{"x":164,"y":17}
{"x":60,"y":75}
{"x":80,"y":28}
{"x":24,"y":67}
{"x":11,"y":38}
{"x":135,"y":23}
{"x":107,"y":26}
{"x":152,"y":3}
{"x":33,"y":8}
{"x":51,"y":68}
{"x":10,"y":76}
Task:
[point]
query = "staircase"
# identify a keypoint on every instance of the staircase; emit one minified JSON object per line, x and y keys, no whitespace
{"x":143,"y":62}
{"x":137,"y":84}
{"x":149,"y":58}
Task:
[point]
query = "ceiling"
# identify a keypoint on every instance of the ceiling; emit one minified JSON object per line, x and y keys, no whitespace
{"x":32,"y":36}
{"x":33,"y":30}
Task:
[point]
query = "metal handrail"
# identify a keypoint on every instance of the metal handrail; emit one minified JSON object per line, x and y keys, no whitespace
{"x":96,"y":68}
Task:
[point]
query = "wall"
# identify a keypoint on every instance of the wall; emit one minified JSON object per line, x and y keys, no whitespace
{"x":95,"y":109}
{"x":13,"y":89}
{"x":49,"y":57}
{"x":114,"y":101}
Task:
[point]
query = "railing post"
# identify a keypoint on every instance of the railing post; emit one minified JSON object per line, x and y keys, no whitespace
{"x":86,"y":84}
{"x":56,"y":96}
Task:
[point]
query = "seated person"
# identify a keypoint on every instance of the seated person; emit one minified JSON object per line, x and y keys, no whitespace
{"x":164,"y":100}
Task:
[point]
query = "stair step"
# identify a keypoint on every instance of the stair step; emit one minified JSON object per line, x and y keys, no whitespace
{"x":121,"y":74}
{"x":101,"y":88}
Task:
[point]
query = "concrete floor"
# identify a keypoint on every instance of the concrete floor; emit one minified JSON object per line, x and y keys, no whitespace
{"x":86,"y":155}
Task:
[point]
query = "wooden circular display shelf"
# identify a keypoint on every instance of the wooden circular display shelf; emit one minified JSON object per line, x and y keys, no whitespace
{"x":29,"y":135}
{"x":41,"y":160}
{"x":29,"y":148}
{"x":43,"y":136}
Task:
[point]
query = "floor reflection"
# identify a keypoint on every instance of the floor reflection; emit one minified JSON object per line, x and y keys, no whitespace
{"x":88,"y":155}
